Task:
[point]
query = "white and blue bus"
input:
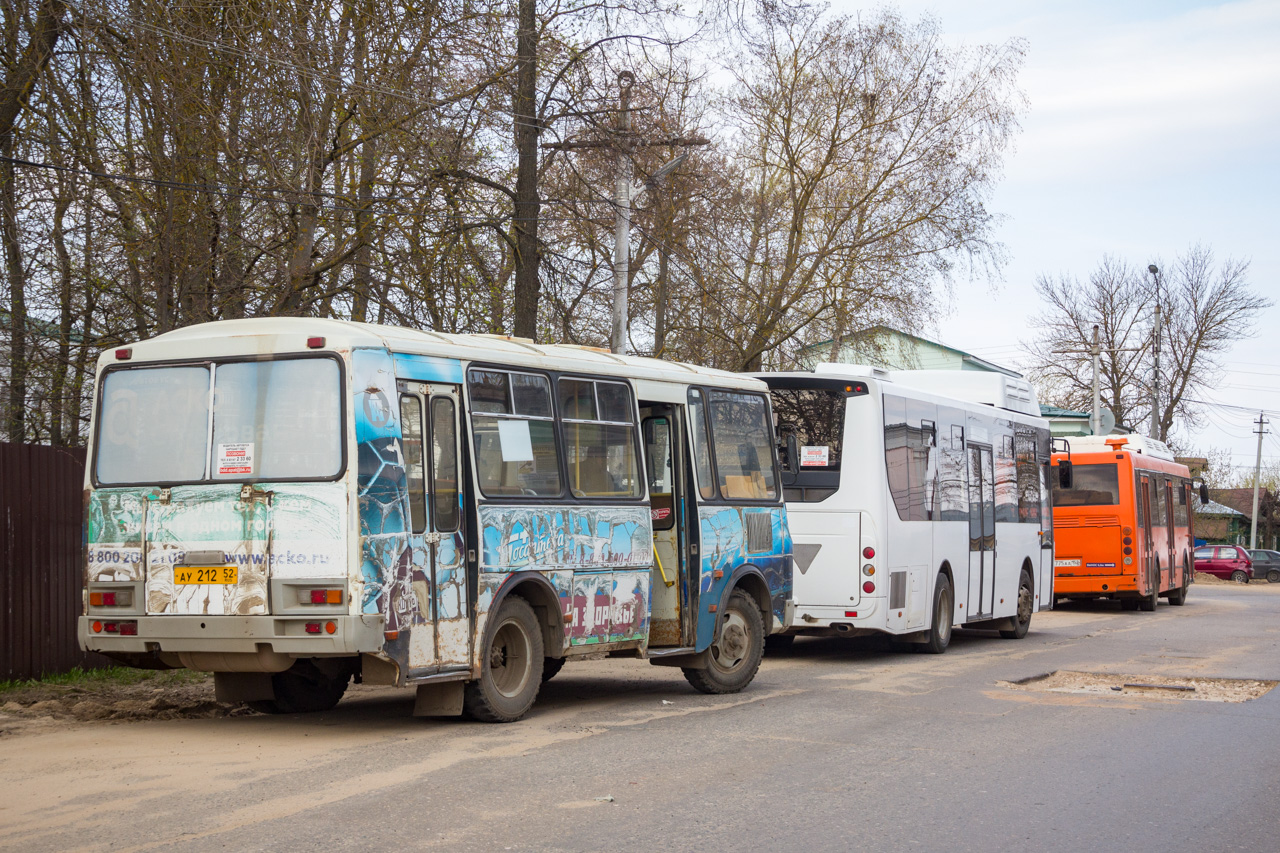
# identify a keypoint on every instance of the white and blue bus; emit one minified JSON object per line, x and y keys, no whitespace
{"x":917,"y":499}
{"x":291,"y":503}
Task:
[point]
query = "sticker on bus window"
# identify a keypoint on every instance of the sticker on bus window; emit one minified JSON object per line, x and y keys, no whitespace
{"x":235,"y":458}
{"x":815,"y":455}
{"x":660,"y":513}
{"x":514,"y":441}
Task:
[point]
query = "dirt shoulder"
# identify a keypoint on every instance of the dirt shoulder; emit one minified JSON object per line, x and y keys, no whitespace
{"x":111,"y":696}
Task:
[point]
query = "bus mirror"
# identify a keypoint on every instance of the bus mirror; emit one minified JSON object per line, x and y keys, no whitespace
{"x":1065,"y":477}
{"x":1204,"y":494}
{"x":793,"y":453}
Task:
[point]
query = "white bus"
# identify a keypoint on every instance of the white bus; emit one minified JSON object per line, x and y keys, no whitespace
{"x":917,"y":500}
{"x":291,"y":503}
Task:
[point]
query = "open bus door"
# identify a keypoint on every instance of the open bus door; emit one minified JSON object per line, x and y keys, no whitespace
{"x":666,"y":461}
{"x":982,"y":532}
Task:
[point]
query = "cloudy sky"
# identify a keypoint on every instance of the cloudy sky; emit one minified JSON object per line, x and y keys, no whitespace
{"x":1153,"y":126}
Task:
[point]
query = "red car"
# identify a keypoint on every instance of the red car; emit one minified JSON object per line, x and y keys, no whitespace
{"x":1229,"y":562}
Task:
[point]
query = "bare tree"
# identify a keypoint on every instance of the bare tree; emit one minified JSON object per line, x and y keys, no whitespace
{"x":1114,"y":298}
{"x":1205,"y":308}
{"x":864,"y":151}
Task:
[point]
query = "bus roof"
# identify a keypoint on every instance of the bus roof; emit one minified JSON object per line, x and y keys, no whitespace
{"x":961,"y":388}
{"x":269,"y":335}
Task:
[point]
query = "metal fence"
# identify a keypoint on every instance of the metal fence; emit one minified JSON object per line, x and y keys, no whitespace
{"x":41,"y":511}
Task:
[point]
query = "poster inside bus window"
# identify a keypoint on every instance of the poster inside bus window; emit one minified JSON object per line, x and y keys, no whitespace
{"x":815,"y":456}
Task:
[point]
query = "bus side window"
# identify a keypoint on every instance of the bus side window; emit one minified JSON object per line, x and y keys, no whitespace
{"x":743,"y":453}
{"x":657,"y":454}
{"x":411,"y":440}
{"x":701,"y":445}
{"x":444,"y":465}
{"x":514,"y":434}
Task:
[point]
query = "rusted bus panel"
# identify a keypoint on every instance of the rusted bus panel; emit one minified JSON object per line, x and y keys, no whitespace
{"x":41,"y":560}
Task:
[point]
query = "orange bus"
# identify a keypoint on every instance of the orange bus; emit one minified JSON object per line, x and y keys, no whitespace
{"x":1122,"y":522}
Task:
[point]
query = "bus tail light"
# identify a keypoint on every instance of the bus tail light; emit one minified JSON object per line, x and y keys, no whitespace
{"x":868,"y":552}
{"x":868,"y":587}
{"x":852,"y":614}
{"x":114,"y":598}
{"x":868,"y":570}
{"x":97,"y":627}
{"x":315,"y":343}
{"x":319,"y":596}
{"x":124,"y":354}
{"x":128,"y":629}
{"x":313,"y":627}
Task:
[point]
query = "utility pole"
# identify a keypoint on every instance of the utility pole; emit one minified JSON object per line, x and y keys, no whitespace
{"x":1155,"y":377}
{"x":1094,"y":351}
{"x":622,"y":221}
{"x":624,"y":194}
{"x":1095,"y":416}
{"x":1257,"y":477}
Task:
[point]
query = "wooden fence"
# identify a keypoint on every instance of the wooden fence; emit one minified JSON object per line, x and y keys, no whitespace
{"x":40,"y":560}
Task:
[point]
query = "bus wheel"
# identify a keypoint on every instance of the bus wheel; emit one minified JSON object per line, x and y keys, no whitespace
{"x":940,"y":629}
{"x":1178,"y":597}
{"x":735,"y":655}
{"x":510,"y":668}
{"x":1147,"y":604}
{"x":303,"y":689}
{"x":1026,"y":601}
{"x":551,"y":666}
{"x":1239,"y":576}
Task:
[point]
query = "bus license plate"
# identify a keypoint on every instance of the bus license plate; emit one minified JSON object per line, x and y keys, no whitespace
{"x":205,"y":574}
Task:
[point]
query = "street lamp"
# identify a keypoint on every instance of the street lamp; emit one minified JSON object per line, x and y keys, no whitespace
{"x":1155,"y":378}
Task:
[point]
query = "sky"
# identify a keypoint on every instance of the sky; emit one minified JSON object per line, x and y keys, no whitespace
{"x":1153,"y":126}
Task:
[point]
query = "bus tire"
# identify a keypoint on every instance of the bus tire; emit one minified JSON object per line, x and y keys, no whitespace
{"x":1178,"y":597}
{"x":551,"y":666}
{"x":1026,"y":604}
{"x":940,"y":627}
{"x":1148,"y":603}
{"x":1239,"y":576}
{"x":735,"y":655}
{"x":510,"y":666}
{"x":303,"y":689}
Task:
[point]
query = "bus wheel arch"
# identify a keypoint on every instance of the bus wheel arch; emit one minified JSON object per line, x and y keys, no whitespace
{"x":945,"y":570}
{"x":751,"y":582}
{"x":539,"y":594}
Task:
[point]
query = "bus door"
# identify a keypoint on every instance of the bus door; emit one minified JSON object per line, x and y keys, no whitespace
{"x":437,"y":608}
{"x":1170,"y":535}
{"x":1148,"y":539}
{"x":665,"y":452}
{"x":982,"y":532}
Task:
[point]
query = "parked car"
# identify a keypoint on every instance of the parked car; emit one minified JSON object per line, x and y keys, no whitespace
{"x":1229,"y":562}
{"x":1266,"y":564}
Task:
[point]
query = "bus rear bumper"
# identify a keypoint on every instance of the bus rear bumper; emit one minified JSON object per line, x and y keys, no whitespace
{"x":234,"y":635}
{"x":1094,"y":585}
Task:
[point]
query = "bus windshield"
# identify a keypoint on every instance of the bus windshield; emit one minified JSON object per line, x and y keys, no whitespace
{"x":1092,"y":485}
{"x":278,"y":419}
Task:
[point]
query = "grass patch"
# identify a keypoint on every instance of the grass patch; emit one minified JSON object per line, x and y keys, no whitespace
{"x":119,"y":676}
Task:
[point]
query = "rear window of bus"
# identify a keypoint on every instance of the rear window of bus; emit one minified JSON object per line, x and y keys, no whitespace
{"x":279,"y":419}
{"x":1092,"y":485}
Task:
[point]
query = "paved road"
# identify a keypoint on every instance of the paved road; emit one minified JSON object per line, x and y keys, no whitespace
{"x":838,"y":745}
